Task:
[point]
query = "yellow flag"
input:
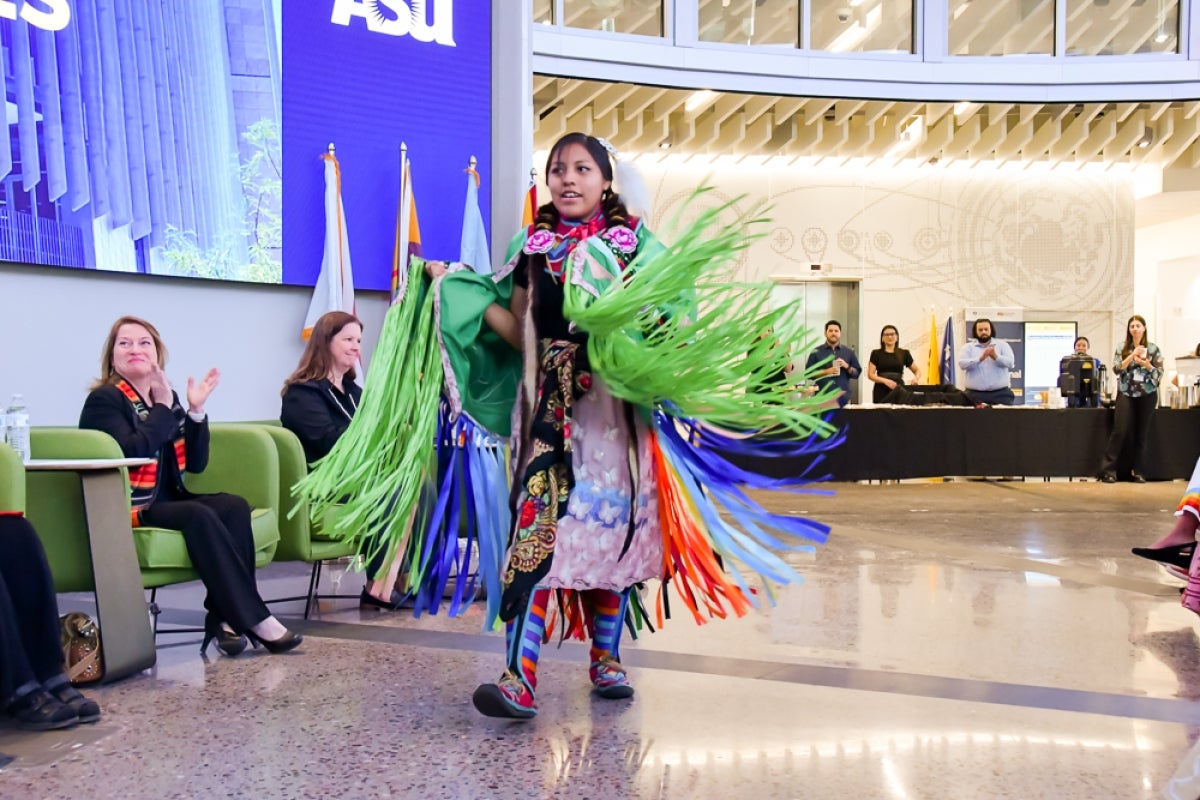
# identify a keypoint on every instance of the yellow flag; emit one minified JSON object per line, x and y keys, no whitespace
{"x":933,"y":376}
{"x":529,"y":212}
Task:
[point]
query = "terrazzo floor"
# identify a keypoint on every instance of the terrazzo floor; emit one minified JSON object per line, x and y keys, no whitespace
{"x":969,"y":639}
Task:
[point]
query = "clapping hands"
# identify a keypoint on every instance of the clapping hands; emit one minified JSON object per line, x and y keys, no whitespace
{"x":160,"y":387}
{"x":198,"y":392}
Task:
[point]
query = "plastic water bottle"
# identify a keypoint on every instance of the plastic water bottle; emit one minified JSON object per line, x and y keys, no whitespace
{"x":17,"y":427}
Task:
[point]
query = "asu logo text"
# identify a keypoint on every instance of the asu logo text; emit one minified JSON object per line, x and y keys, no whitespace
{"x":400,"y":18}
{"x":49,"y":15}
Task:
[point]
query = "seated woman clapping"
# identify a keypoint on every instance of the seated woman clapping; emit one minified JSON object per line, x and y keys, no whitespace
{"x":34,"y":691}
{"x":319,"y":400}
{"x":133,"y":402}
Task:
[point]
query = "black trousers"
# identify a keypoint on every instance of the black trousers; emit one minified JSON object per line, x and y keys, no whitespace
{"x":29,"y":639}
{"x":220,"y":542}
{"x":1131,"y":429}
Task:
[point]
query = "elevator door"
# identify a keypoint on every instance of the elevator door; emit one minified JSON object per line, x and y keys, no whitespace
{"x":821,"y":300}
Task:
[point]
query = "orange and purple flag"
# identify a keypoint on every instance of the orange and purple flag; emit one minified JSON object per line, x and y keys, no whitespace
{"x":408,"y":231}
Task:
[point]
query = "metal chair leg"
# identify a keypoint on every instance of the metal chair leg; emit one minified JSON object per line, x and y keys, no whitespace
{"x":314,"y":582}
{"x":154,"y":609}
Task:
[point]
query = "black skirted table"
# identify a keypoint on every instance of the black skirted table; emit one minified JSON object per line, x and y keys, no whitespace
{"x":890,"y":442}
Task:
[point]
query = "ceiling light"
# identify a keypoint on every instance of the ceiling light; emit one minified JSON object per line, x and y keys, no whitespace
{"x":699,"y":99}
{"x":1147,"y":138}
{"x":665,"y":144}
{"x":1161,"y":37}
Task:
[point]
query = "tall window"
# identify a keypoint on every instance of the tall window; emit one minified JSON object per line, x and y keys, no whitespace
{"x":1122,"y":27}
{"x":848,"y":26}
{"x":1002,"y":27}
{"x":643,"y":17}
{"x":750,"y":21}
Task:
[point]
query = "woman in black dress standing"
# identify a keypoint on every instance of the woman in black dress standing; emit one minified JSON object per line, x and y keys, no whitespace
{"x":886,"y":366}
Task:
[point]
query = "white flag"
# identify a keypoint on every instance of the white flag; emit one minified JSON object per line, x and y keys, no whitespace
{"x":473,"y":249}
{"x":335,"y":285}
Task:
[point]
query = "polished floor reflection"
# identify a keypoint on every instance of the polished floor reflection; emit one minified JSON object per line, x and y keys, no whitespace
{"x":953,"y":640}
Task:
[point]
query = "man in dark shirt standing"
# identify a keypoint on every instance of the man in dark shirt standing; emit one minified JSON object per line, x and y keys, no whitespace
{"x":842,"y":363}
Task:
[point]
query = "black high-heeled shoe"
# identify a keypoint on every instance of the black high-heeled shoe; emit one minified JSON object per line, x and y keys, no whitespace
{"x":276,"y":646}
{"x":368,"y":601}
{"x":228,"y":642}
{"x":1178,"y":555}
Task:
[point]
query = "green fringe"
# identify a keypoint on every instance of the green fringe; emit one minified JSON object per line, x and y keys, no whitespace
{"x":374,"y":474}
{"x":679,"y":333}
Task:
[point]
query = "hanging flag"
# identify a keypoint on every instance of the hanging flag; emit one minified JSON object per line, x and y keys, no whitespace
{"x":529,"y":212}
{"x":473,"y":249}
{"x":933,"y":376}
{"x":408,"y":232}
{"x":949,"y":368}
{"x":334,"y":290}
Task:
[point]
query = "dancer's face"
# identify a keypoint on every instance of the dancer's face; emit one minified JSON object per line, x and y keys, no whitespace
{"x":576,"y":183}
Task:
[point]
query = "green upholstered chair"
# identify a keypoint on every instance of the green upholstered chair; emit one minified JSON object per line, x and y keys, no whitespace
{"x":299,"y":538}
{"x":242,"y":460}
{"x":12,"y":480}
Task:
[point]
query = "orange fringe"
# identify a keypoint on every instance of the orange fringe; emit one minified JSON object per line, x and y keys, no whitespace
{"x":1190,"y":501}
{"x":688,"y":557}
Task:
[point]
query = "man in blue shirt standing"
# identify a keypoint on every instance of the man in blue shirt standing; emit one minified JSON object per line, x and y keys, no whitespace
{"x":842,"y":363}
{"x":986,"y":362}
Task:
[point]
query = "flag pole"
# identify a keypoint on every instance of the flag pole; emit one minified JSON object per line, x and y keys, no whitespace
{"x":400,"y":251}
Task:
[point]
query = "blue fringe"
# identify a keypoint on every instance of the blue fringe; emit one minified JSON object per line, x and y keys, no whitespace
{"x":471,"y":513}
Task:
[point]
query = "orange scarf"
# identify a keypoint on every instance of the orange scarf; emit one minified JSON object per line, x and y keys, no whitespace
{"x":143,"y":480}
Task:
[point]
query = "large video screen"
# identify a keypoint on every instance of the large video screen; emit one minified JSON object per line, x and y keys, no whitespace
{"x":184,"y":138}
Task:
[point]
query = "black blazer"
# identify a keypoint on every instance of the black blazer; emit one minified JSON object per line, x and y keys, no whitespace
{"x":107,"y":409}
{"x":311,"y":411}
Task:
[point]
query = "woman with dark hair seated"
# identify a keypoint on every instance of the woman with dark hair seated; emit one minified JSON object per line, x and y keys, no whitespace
{"x":34,"y":690}
{"x":133,"y":403}
{"x":319,"y":400}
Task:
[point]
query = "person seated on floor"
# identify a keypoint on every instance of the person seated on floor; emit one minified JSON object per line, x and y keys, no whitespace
{"x":133,"y":402}
{"x":319,"y":401}
{"x":34,"y":690}
{"x":986,"y":362}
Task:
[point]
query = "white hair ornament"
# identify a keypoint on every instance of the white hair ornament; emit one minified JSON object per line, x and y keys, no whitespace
{"x":630,"y":184}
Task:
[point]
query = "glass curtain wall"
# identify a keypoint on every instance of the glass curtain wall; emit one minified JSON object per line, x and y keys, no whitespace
{"x":974,"y":27}
{"x":1122,"y":27}
{"x":862,"y":26}
{"x":755,"y":22}
{"x":642,"y":17}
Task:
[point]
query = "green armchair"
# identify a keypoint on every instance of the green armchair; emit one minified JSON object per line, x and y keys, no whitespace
{"x":242,"y":460}
{"x":300,"y":539}
{"x":12,"y":480}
